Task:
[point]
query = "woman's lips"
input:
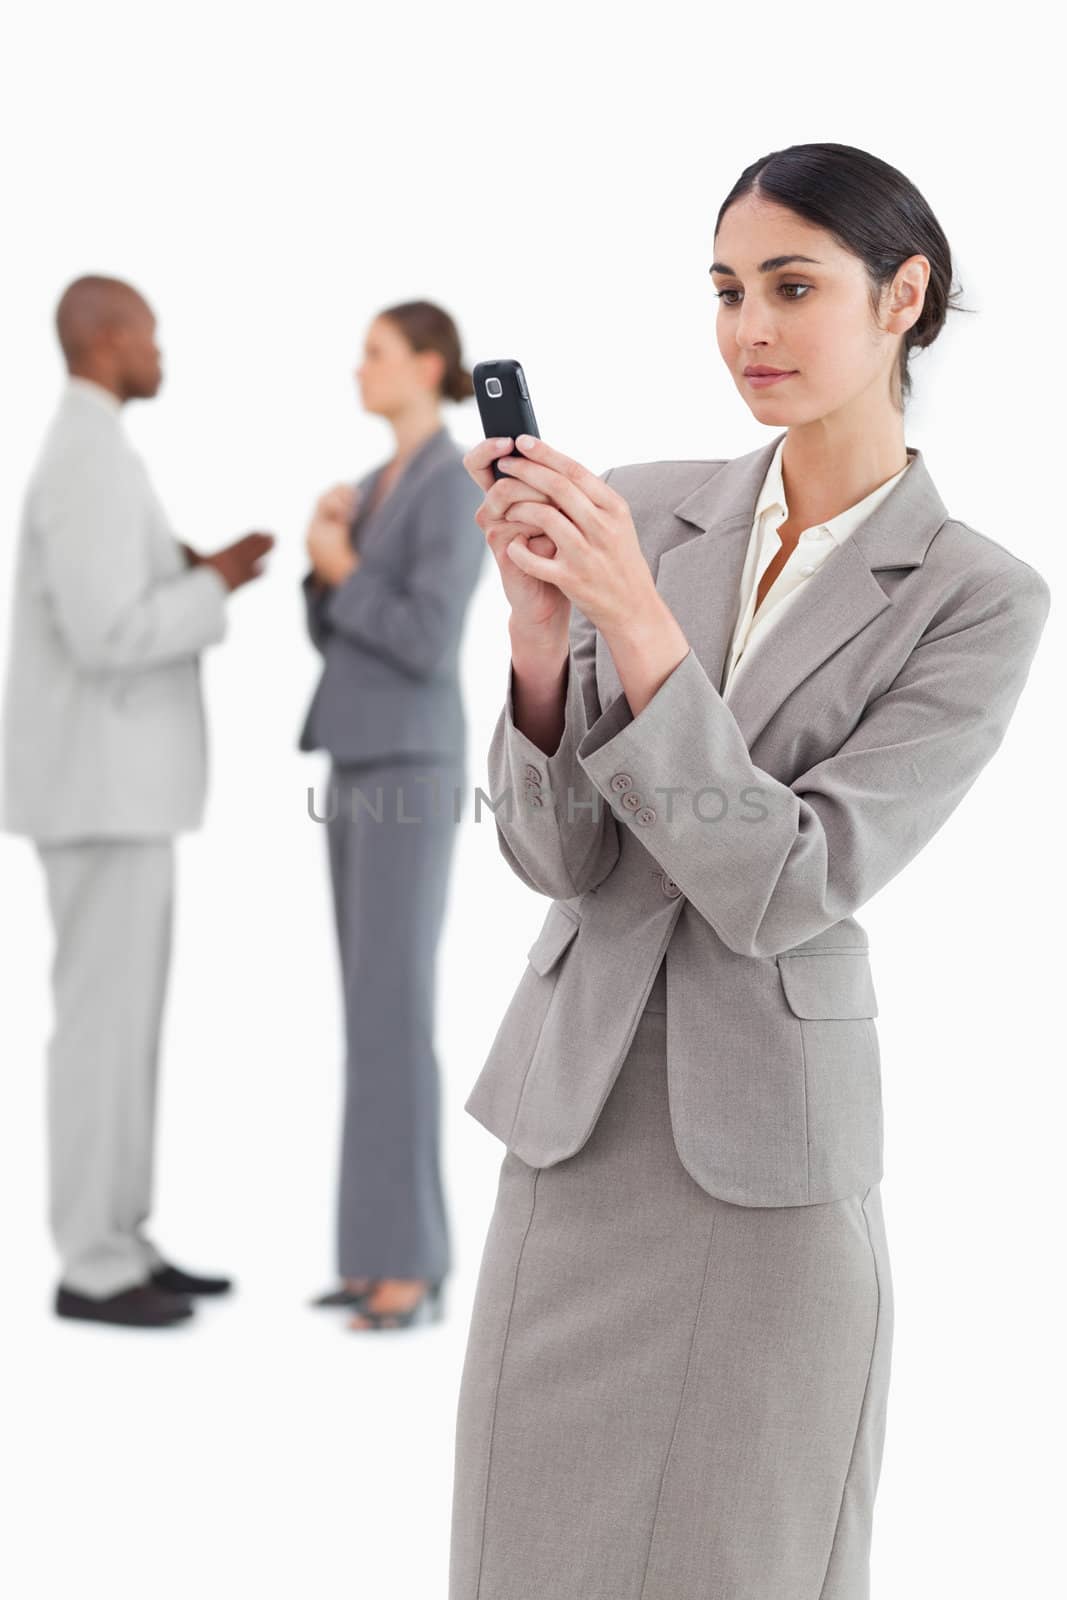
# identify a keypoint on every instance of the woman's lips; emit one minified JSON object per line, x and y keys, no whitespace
{"x":763,"y":380}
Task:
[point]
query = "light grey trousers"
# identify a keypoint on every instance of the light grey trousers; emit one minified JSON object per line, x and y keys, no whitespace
{"x":111,"y":904}
{"x":666,"y":1396}
{"x":390,"y":854}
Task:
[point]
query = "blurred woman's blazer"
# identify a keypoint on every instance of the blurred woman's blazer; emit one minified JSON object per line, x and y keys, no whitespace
{"x":390,"y":637}
{"x":738,"y":841}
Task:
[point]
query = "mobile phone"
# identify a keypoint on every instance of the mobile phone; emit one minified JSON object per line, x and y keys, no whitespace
{"x":503,"y":403}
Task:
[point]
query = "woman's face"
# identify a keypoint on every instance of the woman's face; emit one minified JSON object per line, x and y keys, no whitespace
{"x":392,"y":376}
{"x":811,"y":318}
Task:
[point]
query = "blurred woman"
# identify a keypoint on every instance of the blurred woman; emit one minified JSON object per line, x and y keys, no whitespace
{"x":394,"y":560}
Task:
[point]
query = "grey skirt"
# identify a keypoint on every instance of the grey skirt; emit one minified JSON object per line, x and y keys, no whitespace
{"x":666,"y":1396}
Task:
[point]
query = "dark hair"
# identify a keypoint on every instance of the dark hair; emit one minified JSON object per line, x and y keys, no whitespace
{"x":428,"y":327}
{"x":871,"y":209}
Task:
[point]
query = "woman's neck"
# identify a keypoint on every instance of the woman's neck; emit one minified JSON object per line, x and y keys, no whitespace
{"x":411,"y":433}
{"x":833,"y":463}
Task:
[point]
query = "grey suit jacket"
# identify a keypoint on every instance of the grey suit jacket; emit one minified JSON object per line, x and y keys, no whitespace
{"x":104,"y":729}
{"x":390,"y":634}
{"x":738,"y":841}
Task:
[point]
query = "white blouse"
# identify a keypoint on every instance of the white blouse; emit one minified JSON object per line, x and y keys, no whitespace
{"x":813,"y":547}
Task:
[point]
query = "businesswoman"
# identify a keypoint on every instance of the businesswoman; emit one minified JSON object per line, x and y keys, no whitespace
{"x":742,"y":695}
{"x":394,"y":562}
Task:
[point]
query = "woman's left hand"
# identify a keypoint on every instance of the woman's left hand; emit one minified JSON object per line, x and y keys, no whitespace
{"x":329,"y":544}
{"x":332,"y":557}
{"x":599,"y":564}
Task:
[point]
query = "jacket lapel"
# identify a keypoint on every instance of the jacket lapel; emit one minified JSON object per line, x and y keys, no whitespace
{"x":700,"y":580}
{"x":377,"y":523}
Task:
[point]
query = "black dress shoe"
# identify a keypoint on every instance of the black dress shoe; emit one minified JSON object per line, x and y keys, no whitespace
{"x":142,"y":1306}
{"x":176,"y":1281}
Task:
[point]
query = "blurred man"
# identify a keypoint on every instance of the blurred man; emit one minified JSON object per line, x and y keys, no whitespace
{"x":104,"y":761}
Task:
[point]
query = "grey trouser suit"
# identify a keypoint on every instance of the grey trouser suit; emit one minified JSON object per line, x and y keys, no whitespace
{"x":389,"y":711}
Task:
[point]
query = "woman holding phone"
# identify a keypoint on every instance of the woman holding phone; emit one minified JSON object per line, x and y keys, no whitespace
{"x":743,"y":694}
{"x":394,"y":563}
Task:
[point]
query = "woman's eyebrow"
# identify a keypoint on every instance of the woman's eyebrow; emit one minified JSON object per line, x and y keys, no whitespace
{"x":771,"y":263}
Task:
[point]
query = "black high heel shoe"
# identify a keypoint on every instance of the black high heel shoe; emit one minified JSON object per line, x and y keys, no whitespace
{"x":429,"y":1307}
{"x":344,"y":1297}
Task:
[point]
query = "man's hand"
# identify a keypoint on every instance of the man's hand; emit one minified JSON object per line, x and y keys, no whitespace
{"x":240,"y":562}
{"x":329,"y":543}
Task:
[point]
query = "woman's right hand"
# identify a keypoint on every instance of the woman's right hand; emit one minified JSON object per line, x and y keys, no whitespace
{"x":540,"y":612}
{"x":336,"y":508}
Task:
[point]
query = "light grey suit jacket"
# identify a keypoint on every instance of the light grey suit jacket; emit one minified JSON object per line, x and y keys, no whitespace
{"x":390,"y":634}
{"x":848,"y":741}
{"x":104,"y":730}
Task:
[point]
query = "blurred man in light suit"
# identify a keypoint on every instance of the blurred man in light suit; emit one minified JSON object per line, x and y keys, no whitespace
{"x":104,"y":762}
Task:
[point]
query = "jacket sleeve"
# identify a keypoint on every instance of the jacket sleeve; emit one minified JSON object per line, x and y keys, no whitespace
{"x":771,"y":865}
{"x":417,"y":620}
{"x":112,"y":613}
{"x":315,"y":596}
{"x":565,"y":841}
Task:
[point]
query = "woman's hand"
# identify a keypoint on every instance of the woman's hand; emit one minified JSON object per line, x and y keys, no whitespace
{"x":329,"y":546}
{"x":596,"y":561}
{"x":567,"y":531}
{"x":539,"y":610}
{"x":600,"y":565}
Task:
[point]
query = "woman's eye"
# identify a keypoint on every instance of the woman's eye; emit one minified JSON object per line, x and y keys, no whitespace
{"x":721,"y":294}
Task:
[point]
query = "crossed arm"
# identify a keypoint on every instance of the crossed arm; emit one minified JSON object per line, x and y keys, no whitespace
{"x":784,"y":861}
{"x":413,"y":621}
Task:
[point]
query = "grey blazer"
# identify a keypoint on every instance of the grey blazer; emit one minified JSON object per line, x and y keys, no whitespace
{"x":104,"y":731}
{"x":738,"y":841}
{"x":390,"y":634}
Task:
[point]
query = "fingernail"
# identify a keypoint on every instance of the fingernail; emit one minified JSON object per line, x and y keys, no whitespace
{"x":525,"y":440}
{"x":501,"y":441}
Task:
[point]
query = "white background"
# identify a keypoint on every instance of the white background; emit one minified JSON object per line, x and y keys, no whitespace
{"x":270,"y":176}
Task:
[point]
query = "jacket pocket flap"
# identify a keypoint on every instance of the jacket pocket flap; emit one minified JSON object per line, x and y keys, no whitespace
{"x":829,"y":984}
{"x":556,"y":934}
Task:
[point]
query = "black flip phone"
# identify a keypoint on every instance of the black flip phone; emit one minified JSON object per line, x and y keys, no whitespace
{"x":503,"y":402}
